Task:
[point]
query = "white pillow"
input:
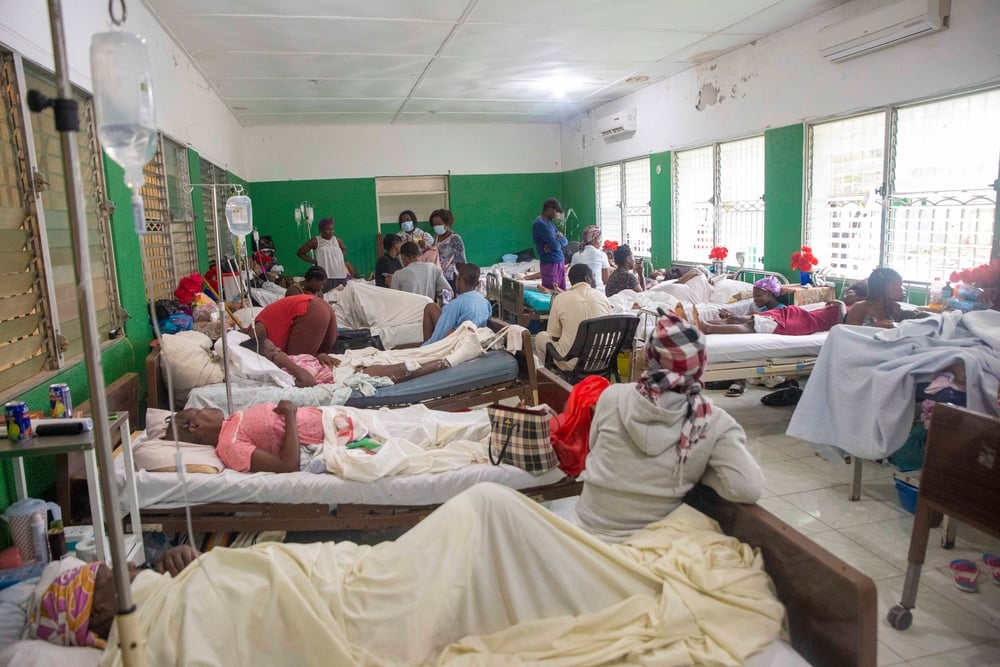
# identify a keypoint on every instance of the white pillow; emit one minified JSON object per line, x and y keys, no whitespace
{"x":13,"y":610}
{"x":156,"y":423}
{"x":249,"y":365}
{"x":726,"y":289}
{"x":246,"y":315}
{"x":160,"y":456}
{"x":189,"y":354}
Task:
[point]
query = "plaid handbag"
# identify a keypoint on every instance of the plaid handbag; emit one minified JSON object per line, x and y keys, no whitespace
{"x":521,"y":437}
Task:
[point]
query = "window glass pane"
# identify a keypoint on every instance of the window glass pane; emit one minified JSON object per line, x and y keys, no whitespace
{"x":741,"y":209}
{"x":693,"y":204}
{"x":609,"y":200}
{"x":182,"y":237}
{"x":638,"y":215}
{"x":843,"y":213}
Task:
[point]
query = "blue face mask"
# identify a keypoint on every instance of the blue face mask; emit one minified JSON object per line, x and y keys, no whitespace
{"x":440,"y":229}
{"x":407,"y":226}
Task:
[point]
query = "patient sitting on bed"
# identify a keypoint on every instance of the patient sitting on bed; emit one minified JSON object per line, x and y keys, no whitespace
{"x":653,"y":440}
{"x":773,"y":316}
{"x":880,"y":307}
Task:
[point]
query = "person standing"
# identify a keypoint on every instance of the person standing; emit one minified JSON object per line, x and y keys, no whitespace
{"x":451,"y":248}
{"x":408,"y":231}
{"x":549,"y":243}
{"x":327,"y":251}
{"x":590,"y":253}
{"x":580,"y":302}
{"x":388,"y":263}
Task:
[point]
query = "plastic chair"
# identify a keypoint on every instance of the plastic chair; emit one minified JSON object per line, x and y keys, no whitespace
{"x":596,"y":347}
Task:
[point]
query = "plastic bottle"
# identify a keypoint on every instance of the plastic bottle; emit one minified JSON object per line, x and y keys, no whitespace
{"x":947,"y":291}
{"x":934,"y":297}
{"x":40,"y":537}
{"x":239,"y":215}
{"x":123,"y":102}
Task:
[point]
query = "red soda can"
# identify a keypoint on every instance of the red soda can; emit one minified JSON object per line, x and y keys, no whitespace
{"x":60,"y":401}
{"x":18,"y":421}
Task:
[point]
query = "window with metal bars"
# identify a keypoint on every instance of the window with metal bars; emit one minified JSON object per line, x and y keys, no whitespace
{"x":168,"y":247}
{"x":911,"y":187}
{"x":718,"y":193}
{"x":217,"y":175}
{"x":40,"y":326}
{"x":623,"y":211}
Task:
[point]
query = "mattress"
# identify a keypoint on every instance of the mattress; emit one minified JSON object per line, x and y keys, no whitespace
{"x":539,"y":301}
{"x":727,"y":348}
{"x":163,"y":489}
{"x":495,"y":367}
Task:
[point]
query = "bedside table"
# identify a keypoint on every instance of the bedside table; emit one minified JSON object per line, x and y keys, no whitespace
{"x":803,"y":295}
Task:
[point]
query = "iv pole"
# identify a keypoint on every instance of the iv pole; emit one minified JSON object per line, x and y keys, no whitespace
{"x":68,"y":123}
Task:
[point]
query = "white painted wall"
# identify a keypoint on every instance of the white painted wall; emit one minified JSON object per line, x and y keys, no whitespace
{"x":782,"y":80}
{"x":363,"y":151}
{"x":187,"y":108}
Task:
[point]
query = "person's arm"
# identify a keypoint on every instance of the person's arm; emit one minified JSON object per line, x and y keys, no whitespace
{"x":640,"y":278}
{"x":441,"y":283}
{"x":856,"y":315}
{"x":732,"y":470}
{"x":459,"y":250}
{"x":545,"y":235}
{"x":272,"y":353}
{"x":605,"y":268}
{"x":554,"y":326}
{"x":305,"y":249}
{"x":446,"y":323}
{"x":288,"y":460}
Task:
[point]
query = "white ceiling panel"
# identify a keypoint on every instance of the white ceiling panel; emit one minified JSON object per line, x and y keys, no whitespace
{"x":438,"y":10}
{"x":643,"y":14}
{"x":252,"y":106}
{"x":359,"y":61}
{"x":234,"y":89}
{"x":253,"y":120}
{"x":309,"y":35}
{"x":569,"y":43}
{"x":310,"y":65}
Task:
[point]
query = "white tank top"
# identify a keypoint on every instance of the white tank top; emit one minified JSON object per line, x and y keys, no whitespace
{"x":330,"y":257}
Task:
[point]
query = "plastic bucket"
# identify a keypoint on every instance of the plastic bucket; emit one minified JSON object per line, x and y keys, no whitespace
{"x":18,"y":517}
{"x":907,"y":495}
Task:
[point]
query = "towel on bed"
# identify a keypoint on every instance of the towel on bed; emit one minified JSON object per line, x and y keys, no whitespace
{"x":860,"y":396}
{"x":458,"y":589}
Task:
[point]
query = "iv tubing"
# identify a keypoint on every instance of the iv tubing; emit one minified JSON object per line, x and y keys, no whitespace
{"x":131,"y":641}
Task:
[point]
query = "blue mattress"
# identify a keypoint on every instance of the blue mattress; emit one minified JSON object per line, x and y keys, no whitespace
{"x":495,"y":367}
{"x":539,"y":301}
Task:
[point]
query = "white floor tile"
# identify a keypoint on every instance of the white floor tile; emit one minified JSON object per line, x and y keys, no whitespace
{"x":855,"y":555}
{"x":970,"y":656}
{"x":984,"y":605}
{"x":939,"y":625}
{"x":793,"y":476}
{"x":844,"y":472}
{"x":793,"y":447}
{"x":764,"y":453}
{"x":890,"y":540}
{"x":793,"y":516}
{"x":832,"y":507}
{"x":886,"y":656}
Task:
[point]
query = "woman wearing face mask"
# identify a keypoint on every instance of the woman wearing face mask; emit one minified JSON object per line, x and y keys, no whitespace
{"x":408,"y":231}
{"x":451,"y":248}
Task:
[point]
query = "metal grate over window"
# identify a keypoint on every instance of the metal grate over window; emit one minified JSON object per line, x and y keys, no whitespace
{"x":694,"y":204}
{"x":740,"y":213}
{"x":623,"y":210}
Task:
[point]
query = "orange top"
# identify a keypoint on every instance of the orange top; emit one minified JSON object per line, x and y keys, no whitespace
{"x":277,"y":317}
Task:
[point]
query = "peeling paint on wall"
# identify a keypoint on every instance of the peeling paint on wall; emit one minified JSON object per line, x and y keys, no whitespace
{"x":707,"y":96}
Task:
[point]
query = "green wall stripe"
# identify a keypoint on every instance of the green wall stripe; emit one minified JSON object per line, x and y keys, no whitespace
{"x":661,"y":203}
{"x":783,"y":174}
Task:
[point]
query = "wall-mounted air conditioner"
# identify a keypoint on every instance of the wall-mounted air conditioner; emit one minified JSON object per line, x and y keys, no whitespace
{"x":618,"y":124}
{"x":887,"y":26}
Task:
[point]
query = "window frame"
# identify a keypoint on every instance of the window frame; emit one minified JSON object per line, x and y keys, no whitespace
{"x":627,"y":209}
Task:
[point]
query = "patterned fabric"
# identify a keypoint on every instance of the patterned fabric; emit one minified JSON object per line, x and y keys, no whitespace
{"x":63,"y":613}
{"x":676,"y":355}
{"x":451,"y":251}
{"x":591,"y":233}
{"x":521,"y":438}
{"x":621,"y":280}
{"x":769,"y":284}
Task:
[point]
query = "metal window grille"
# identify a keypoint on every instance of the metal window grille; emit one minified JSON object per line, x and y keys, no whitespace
{"x":182,"y":235}
{"x":844,"y":207}
{"x":694,"y":204}
{"x":740,"y":213}
{"x":623,"y":210}
{"x":213,"y":174}
{"x":157,"y":258}
{"x":609,"y":198}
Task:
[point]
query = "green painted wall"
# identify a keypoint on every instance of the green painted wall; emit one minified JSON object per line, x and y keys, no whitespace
{"x":194,"y":171}
{"x":350,"y":201}
{"x":661,"y":204}
{"x":783,"y":213}
{"x":124,"y":356}
{"x":493,"y":213}
{"x":579,"y":189}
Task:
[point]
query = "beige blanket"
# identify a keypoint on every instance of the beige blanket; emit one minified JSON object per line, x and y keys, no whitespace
{"x":489,"y":578}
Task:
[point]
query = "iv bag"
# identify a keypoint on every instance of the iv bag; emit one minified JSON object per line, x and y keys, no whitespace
{"x":123,"y":103}
{"x":239,"y":215}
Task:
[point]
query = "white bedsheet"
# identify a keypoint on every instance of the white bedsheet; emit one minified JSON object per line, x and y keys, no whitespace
{"x":860,"y":398}
{"x":394,"y":315}
{"x":723,"y":348}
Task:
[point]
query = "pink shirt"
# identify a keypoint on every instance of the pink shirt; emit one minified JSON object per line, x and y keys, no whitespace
{"x":260,"y":427}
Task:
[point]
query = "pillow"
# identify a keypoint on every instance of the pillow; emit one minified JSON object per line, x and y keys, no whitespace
{"x":247,"y":364}
{"x":160,"y":456}
{"x":189,"y":354}
{"x":13,"y":610}
{"x":156,"y":423}
{"x":246,"y":315}
{"x":724,"y":290}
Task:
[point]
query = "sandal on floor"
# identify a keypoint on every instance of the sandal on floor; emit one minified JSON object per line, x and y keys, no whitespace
{"x":718,"y":384}
{"x":992,"y":561}
{"x":792,"y":382}
{"x":782,"y":397}
{"x":964,"y":573}
{"x":736,"y":389}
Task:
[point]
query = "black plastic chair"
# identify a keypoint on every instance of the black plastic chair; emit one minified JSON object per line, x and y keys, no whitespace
{"x":596,"y":347}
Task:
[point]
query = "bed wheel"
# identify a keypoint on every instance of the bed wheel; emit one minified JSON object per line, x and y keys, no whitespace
{"x":899,"y":617}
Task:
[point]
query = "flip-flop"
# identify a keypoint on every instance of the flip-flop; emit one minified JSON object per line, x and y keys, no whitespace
{"x":791,"y":382}
{"x":736,"y":389}
{"x":782,"y":397}
{"x":992,"y":561}
{"x":964,"y":573}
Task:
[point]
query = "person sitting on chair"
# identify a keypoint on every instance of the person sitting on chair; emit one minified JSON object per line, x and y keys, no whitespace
{"x":468,"y":306}
{"x":389,"y":262}
{"x":580,"y":302}
{"x":626,"y":275}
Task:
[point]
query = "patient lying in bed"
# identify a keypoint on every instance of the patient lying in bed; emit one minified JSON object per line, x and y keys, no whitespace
{"x":773,"y":316}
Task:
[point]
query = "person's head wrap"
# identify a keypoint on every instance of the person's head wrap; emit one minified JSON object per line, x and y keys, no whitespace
{"x":769,"y":284}
{"x":676,"y":355}
{"x":326,"y":223}
{"x":591,"y":233}
{"x":62,"y":614}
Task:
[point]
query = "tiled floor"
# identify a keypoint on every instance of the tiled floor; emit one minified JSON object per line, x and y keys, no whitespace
{"x":949,"y":627}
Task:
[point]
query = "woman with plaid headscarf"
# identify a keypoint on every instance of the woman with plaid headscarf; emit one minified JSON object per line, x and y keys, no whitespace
{"x":590,"y":253}
{"x":653,"y":440}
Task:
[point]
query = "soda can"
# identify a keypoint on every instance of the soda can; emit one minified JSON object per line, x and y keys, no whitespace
{"x":60,"y":401}
{"x":18,"y":421}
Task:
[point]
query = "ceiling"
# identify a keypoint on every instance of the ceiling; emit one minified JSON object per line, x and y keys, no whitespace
{"x":320,"y":62}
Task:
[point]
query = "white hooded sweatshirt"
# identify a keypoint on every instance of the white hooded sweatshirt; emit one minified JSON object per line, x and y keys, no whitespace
{"x":632,"y":477}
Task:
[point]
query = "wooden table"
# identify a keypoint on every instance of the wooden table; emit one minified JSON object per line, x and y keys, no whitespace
{"x":803,"y":295}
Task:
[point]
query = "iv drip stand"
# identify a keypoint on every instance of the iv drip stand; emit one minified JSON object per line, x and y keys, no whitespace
{"x":68,"y":123}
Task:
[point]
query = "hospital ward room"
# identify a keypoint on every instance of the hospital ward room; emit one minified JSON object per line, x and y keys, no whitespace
{"x":500,"y":332}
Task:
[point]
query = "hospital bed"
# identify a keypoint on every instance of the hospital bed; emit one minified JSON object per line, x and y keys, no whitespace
{"x":521,"y":304}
